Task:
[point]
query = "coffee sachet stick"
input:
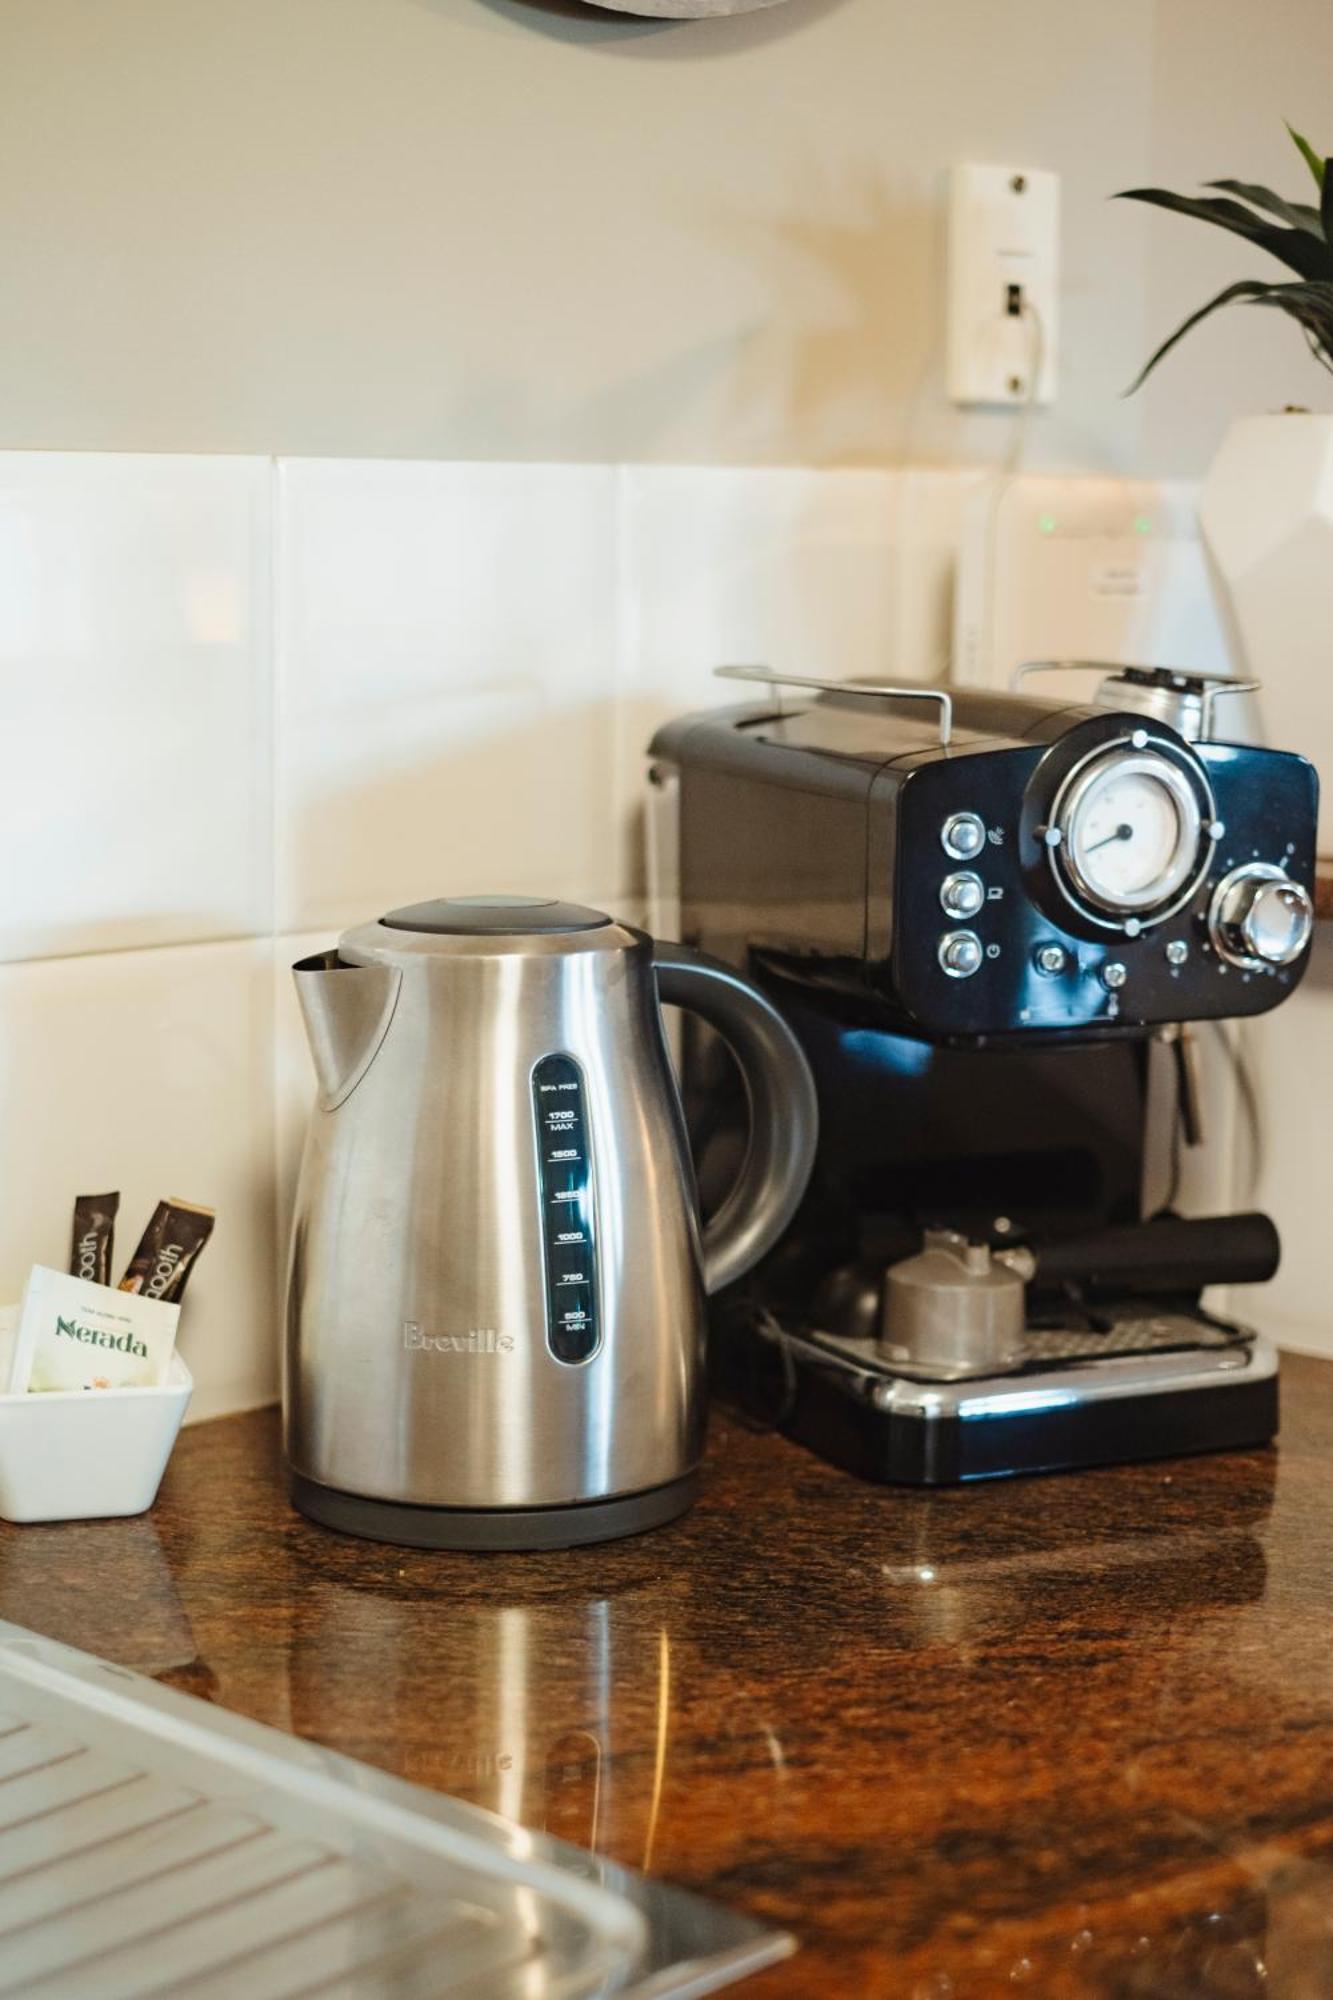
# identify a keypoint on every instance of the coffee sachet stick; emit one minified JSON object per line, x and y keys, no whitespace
{"x":168,"y":1250}
{"x":94,"y":1235}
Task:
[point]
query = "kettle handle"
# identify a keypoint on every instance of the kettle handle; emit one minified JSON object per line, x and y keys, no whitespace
{"x":784,"y":1111}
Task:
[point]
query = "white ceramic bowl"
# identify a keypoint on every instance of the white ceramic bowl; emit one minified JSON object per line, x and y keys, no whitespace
{"x":84,"y":1454}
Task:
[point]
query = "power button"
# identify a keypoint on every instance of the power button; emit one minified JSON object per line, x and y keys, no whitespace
{"x":960,"y":954}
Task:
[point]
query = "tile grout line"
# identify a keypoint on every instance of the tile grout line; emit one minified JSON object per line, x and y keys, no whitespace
{"x":624,"y":649}
{"x":277,"y":662}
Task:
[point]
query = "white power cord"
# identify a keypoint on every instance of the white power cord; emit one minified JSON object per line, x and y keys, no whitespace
{"x":1247,"y":1093}
{"x":1003,"y":478}
{"x":942,"y":669}
{"x":1032,"y":319}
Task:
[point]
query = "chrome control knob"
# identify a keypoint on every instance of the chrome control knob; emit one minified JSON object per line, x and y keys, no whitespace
{"x":963,"y":836}
{"x":962,"y":894}
{"x":1261,"y":917}
{"x":960,"y":954}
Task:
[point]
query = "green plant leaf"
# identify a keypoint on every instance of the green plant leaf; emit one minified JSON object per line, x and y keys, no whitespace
{"x":1326,"y":202}
{"x":1248,"y":288}
{"x":1313,"y":293}
{"x":1296,"y":248}
{"x":1311,"y":306}
{"x":1312,"y":301}
{"x":1309,"y":155}
{"x":1298,"y":214}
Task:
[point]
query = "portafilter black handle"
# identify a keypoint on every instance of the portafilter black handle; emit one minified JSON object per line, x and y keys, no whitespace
{"x":1168,"y":1254}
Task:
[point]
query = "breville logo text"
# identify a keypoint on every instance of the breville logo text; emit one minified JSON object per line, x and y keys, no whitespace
{"x":477,"y":1340}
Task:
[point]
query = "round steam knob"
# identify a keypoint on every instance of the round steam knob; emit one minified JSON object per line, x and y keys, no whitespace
{"x":1261,"y":917}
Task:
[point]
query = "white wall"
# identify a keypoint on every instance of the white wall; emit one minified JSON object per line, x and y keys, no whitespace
{"x":508,"y":229}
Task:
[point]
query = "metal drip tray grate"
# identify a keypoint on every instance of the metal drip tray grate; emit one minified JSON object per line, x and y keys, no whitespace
{"x":151,"y":1844}
{"x":1148,"y":1333}
{"x":1124,"y":1336}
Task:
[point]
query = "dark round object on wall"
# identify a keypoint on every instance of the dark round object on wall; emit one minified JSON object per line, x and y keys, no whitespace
{"x":684,"y":10}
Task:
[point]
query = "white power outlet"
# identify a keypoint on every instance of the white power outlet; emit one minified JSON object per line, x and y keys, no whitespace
{"x":1004,"y":297}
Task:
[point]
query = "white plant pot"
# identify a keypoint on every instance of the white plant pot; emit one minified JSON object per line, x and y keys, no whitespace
{"x":1267,"y":520}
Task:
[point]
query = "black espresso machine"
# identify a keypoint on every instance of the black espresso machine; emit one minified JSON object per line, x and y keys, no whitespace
{"x":989,"y":919}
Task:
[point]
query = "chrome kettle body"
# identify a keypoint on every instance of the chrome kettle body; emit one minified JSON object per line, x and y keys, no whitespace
{"x":496,"y":1296}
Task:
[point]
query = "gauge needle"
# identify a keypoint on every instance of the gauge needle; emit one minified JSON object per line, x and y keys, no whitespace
{"x":1122,"y":832}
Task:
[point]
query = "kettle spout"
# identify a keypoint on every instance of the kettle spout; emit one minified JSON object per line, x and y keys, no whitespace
{"x":347,"y":1010}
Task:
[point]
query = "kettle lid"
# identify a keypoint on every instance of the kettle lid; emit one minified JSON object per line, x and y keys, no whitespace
{"x":495,"y":916}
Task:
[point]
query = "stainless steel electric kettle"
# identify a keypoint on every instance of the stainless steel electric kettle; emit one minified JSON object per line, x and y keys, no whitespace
{"x":496,"y":1313}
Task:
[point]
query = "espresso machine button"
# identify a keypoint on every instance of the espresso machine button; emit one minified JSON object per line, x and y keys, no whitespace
{"x":961,"y":954}
{"x":1051,"y":959}
{"x":1177,"y":951}
{"x":1260,"y":917}
{"x":1114,"y":976}
{"x":962,"y":894}
{"x":963,"y":836}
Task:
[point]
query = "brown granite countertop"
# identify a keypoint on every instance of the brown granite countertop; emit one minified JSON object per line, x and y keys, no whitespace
{"x":1064,"y":1736}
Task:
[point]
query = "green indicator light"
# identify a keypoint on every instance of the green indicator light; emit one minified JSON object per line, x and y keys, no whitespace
{"x":1047,"y":523}
{"x":1142,"y":524}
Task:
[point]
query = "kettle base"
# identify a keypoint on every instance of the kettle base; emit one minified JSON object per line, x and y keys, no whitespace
{"x":512,"y":1528}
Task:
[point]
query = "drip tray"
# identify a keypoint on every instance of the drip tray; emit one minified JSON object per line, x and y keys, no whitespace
{"x":153,"y":1844}
{"x":1125,"y":1334}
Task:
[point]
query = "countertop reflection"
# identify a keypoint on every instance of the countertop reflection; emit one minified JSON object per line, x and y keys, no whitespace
{"x":1069,"y":1736}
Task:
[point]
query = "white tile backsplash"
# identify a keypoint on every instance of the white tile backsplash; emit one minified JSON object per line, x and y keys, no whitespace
{"x":931,"y":506}
{"x":150,"y":1072}
{"x":446,"y":681}
{"x":293,"y":1078}
{"x":134,"y":700}
{"x":733,"y":565}
{"x":258,"y":703}
{"x":727,"y":564}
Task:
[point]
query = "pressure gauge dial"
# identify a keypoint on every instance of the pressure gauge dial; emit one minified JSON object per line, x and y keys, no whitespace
{"x":1131,"y":834}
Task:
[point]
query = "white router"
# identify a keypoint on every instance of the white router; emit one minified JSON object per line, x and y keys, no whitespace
{"x":1103,"y":569}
